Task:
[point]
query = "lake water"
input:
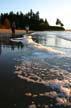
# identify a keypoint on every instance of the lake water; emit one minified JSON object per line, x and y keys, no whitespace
{"x":29,"y":71}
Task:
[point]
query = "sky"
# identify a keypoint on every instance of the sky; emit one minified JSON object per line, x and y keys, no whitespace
{"x":49,"y":9}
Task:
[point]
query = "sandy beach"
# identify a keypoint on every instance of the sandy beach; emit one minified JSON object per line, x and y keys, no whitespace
{"x":9,"y":31}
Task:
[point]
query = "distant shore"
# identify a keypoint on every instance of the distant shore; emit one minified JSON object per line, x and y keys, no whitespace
{"x":19,"y":31}
{"x":16,"y":31}
{"x":68,"y":30}
{"x":8,"y":32}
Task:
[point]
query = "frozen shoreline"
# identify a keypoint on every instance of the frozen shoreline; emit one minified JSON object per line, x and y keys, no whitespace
{"x":33,"y":84}
{"x":56,"y":80}
{"x":28,"y":40}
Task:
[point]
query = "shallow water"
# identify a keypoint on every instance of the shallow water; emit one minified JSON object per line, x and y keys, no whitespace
{"x":36,"y":78}
{"x":59,"y":41}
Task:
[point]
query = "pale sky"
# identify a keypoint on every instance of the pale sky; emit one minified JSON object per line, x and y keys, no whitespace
{"x":49,"y":9}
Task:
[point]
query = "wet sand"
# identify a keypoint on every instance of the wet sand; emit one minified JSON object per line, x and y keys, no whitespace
{"x":34,"y":85}
{"x":44,"y":86}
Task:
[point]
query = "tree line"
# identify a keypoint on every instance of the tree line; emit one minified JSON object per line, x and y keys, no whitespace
{"x":32,"y":19}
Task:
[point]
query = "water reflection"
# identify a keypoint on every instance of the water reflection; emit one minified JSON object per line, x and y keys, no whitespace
{"x":52,"y":40}
{"x":0,"y":49}
{"x":16,"y":45}
{"x":6,"y":43}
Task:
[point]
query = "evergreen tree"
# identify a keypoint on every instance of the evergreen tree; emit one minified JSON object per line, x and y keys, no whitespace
{"x":32,"y":19}
{"x":46,"y":22}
